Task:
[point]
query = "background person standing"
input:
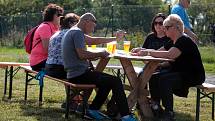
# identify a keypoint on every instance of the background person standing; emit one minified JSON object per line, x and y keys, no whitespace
{"x":180,"y":10}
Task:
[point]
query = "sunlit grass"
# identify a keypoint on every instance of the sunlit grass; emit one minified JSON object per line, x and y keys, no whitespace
{"x":54,"y":94}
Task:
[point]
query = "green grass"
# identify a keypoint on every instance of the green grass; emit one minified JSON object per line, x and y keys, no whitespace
{"x":54,"y":95}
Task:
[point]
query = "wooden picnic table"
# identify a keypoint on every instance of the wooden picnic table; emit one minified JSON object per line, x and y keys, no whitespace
{"x":138,"y":83}
{"x":10,"y":74}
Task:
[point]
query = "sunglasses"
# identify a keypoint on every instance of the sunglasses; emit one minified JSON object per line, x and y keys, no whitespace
{"x":59,"y":14}
{"x":189,"y":1}
{"x":94,"y":21}
{"x":167,"y":27}
{"x":158,"y":23}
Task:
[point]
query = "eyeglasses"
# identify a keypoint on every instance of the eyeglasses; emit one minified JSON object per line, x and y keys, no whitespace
{"x":167,"y":27}
{"x":158,"y":23}
{"x":189,"y":1}
{"x":59,"y":14}
{"x":94,"y":21}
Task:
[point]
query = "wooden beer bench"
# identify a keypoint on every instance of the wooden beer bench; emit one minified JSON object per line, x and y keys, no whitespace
{"x":76,"y":89}
{"x":11,"y":68}
{"x":205,"y":90}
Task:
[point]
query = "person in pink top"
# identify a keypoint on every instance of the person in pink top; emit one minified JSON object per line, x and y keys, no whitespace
{"x":50,"y":25}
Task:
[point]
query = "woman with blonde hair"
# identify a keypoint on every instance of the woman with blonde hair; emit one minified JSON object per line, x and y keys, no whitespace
{"x":186,"y":70}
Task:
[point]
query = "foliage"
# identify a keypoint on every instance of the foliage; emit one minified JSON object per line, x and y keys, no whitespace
{"x":130,"y":15}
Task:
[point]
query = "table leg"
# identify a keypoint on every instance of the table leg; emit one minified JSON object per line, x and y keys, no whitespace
{"x":102,"y":64}
{"x":142,"y":93}
{"x":132,"y":78}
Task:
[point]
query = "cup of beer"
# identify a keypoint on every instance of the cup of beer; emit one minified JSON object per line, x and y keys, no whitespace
{"x":111,"y":47}
{"x":127,"y":46}
{"x":93,"y":47}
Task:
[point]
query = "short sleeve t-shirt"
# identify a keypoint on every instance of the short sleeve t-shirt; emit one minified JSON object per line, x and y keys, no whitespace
{"x":189,"y":63}
{"x":44,"y":31}
{"x":153,"y":42}
{"x":73,"y":39}
{"x":180,"y":11}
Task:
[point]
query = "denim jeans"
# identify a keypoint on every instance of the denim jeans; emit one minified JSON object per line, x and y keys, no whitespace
{"x":105,"y":83}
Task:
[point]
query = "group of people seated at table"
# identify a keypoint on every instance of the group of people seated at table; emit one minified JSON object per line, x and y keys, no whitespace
{"x":63,"y":53}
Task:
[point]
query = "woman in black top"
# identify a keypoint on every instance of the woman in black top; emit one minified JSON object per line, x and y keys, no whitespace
{"x":186,"y":70}
{"x":157,"y":37}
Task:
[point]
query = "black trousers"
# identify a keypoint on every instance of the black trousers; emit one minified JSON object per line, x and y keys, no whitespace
{"x":105,"y":83}
{"x":162,"y":85}
{"x":56,"y":71}
{"x":39,"y":66}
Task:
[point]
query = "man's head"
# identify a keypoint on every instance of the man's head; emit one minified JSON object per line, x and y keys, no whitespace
{"x":185,"y":3}
{"x":87,"y":23}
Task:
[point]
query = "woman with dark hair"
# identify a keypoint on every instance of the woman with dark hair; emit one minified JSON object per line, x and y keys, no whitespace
{"x":154,"y":41}
{"x":51,"y":24}
{"x":157,"y":37}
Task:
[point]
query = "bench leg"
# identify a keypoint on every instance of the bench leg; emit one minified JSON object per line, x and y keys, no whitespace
{"x":11,"y":83}
{"x":67,"y":102}
{"x":41,"y":96}
{"x":26,"y":86}
{"x":5,"y":81}
{"x":197,"y":104}
{"x":85,"y":100}
{"x":212,"y":106}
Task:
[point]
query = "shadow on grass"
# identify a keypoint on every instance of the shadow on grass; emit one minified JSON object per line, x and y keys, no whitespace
{"x":47,"y":113}
{"x":183,"y":117}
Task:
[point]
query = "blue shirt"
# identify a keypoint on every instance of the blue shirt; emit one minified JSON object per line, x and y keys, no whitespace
{"x":179,"y":10}
{"x":54,"y":51}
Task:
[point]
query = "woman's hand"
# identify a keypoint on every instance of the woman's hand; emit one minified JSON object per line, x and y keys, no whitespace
{"x":140,"y":53}
{"x":135,"y":50}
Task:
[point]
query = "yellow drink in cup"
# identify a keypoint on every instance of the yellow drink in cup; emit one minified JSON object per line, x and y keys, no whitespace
{"x":114,"y":47}
{"x":111,"y":47}
{"x":93,"y":46}
{"x":127,"y":46}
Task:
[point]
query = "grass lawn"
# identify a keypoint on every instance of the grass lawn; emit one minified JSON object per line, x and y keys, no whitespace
{"x":54,"y":95}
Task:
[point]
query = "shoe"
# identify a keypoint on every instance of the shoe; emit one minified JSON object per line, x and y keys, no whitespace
{"x":128,"y":118}
{"x":168,"y":116}
{"x":95,"y":114}
{"x":157,"y":110}
{"x":73,"y":106}
{"x":79,"y":109}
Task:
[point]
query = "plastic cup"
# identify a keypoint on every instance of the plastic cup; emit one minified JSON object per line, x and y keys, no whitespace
{"x":111,"y":47}
{"x":93,"y":46}
{"x":127,"y":46}
{"x":114,"y":47}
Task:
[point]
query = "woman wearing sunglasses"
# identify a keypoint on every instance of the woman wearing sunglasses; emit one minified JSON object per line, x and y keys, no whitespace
{"x":157,"y":37}
{"x":50,"y":25}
